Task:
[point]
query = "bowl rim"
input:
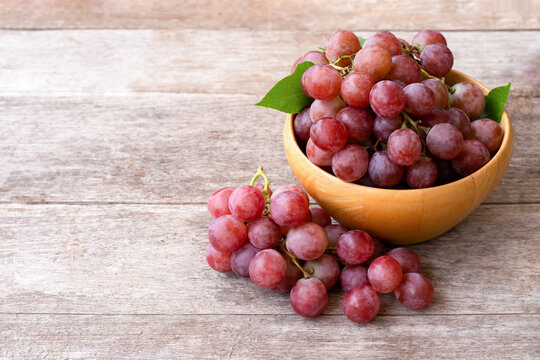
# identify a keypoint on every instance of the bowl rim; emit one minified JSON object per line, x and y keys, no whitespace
{"x":507,"y":140}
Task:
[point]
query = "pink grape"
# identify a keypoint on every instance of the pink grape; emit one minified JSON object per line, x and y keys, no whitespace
{"x":404,"y":69}
{"x":358,"y":122}
{"x":333,"y":232}
{"x":309,"y":297}
{"x":264,"y":233}
{"x":341,"y":43}
{"x":489,"y":133}
{"x":325,"y":268}
{"x":317,"y":155}
{"x":355,"y":247}
{"x":469,"y":98}
{"x":217,"y":260}
{"x":302,"y":125}
{"x":268,"y":268}
{"x":387,"y":99}
{"x":316,"y":57}
{"x":437,"y":59}
{"x":353,"y":276}
{"x":428,"y":37}
{"x":326,"y":108}
{"x":420,"y":99}
{"x":444,"y":141}
{"x":407,"y":259}
{"x":291,"y":277}
{"x":373,"y":61}
{"x":227,"y":233}
{"x":439,"y":90}
{"x":218,"y":203}
{"x":293,"y":188}
{"x":361,"y":304}
{"x":383,"y":127}
{"x":321,"y":82}
{"x":415,"y":291}
{"x":307,"y":241}
{"x":422,"y":174}
{"x":436,"y":116}
{"x":241,"y":258}
{"x":350,"y":163}
{"x":355,"y":89}
{"x":383,"y":171}
{"x":320,"y":217}
{"x":461,"y":121}
{"x":379,"y":249}
{"x":385,"y":40}
{"x":289,"y":208}
{"x":246,"y":203}
{"x":400,"y":83}
{"x":329,"y":134}
{"x":472,"y":157}
{"x":404,"y":147}
{"x":385,"y":274}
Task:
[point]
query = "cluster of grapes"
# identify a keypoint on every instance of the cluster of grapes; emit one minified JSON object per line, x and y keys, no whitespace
{"x":281,"y":244}
{"x":383,"y":115}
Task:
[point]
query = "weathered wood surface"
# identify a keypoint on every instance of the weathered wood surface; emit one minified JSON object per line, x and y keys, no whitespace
{"x":271,"y":15}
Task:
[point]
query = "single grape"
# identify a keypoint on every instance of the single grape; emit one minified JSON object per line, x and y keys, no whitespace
{"x":428,"y":37}
{"x":400,"y":83}
{"x":341,"y":43}
{"x":350,"y":163}
{"x":320,"y":217}
{"x":415,"y":291}
{"x":379,"y":249}
{"x":246,"y":203}
{"x":325,"y":268}
{"x":469,"y":98}
{"x":446,"y":174}
{"x":383,"y":127}
{"x":217,"y":260}
{"x":437,"y":59}
{"x":326,"y":108}
{"x":366,"y":181}
{"x":439,"y":90}
{"x":404,"y":147}
{"x":316,"y":57}
{"x":264,"y":233}
{"x":307,"y":241}
{"x":291,"y":277}
{"x":374,"y":61}
{"x":383,"y":171}
{"x":261,"y":187}
{"x":420,"y":99}
{"x":333,"y":232}
{"x":404,"y":69}
{"x":267,"y":268}
{"x":241,"y":258}
{"x":461,"y":121}
{"x":385,"y":40}
{"x":227,"y":233}
{"x":385,"y":274}
{"x":294,"y":188}
{"x":355,"y":89}
{"x":329,"y":134}
{"x":436,"y":116}
{"x":218,"y":203}
{"x":353,"y":276}
{"x":472,"y":157}
{"x":387,"y":99}
{"x":357,"y":121}
{"x":317,"y":155}
{"x":302,"y":125}
{"x":489,"y":133}
{"x":407,"y":259}
{"x":355,"y":247}
{"x":444,"y":141}
{"x":321,"y":82}
{"x":422,"y":174}
{"x":361,"y":304}
{"x":309,"y":297}
{"x":289,"y":208}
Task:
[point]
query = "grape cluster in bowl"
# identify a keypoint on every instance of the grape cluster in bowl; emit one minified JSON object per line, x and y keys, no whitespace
{"x":383,"y":115}
{"x":281,"y":244}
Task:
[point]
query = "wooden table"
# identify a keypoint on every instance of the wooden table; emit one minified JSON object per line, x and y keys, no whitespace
{"x":120,"y":118}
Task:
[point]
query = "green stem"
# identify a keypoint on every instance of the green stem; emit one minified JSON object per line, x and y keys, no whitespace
{"x":294,"y":260}
{"x":260,"y":173}
{"x":426,"y":75}
{"x":417,"y":128}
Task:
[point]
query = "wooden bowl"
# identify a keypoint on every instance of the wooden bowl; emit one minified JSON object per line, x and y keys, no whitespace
{"x":400,"y":216}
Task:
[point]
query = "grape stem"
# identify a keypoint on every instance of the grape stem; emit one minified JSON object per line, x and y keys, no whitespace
{"x":294,"y":260}
{"x":344,"y":70}
{"x":260,"y":173}
{"x":416,"y":127}
{"x":426,"y":75}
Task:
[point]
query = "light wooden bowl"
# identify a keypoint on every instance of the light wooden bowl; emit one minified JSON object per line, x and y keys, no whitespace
{"x":400,"y":216}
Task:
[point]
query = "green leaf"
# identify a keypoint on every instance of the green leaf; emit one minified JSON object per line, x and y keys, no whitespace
{"x":362,"y":41}
{"x":287,"y":95}
{"x":495,"y":101}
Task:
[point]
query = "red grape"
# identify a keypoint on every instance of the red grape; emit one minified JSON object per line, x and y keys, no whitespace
{"x":350,"y":163}
{"x":415,"y":291}
{"x":358,"y":122}
{"x":489,"y":133}
{"x":341,"y":43}
{"x":333,"y":232}
{"x":355,"y":247}
{"x":383,"y":127}
{"x":420,"y":99}
{"x":264,"y":233}
{"x":316,"y":57}
{"x":469,"y":98}
{"x":446,"y":174}
{"x":317,"y":155}
{"x":302,"y":125}
{"x":404,"y":147}
{"x":218,"y":203}
{"x":385,"y":40}
{"x":428,"y":37}
{"x":379,"y":249}
{"x":383,"y":171}
{"x":444,"y":141}
{"x":325,"y":108}
{"x":241,"y":258}
{"x":307,"y":241}
{"x":387,"y":99}
{"x":374,"y":61}
{"x":461,"y":121}
{"x":246,"y":203}
{"x":321,"y":82}
{"x":320,"y":217}
{"x":439,"y":90}
{"x":294,"y":188}
{"x":292,"y":276}
{"x":407,"y":259}
{"x":361,"y":304}
{"x":422,"y":174}
{"x":366,"y":181}
{"x":325,"y":268}
{"x":309,"y":297}
{"x":289,"y":208}
{"x":329,"y":134}
{"x":404,"y":69}
{"x":268,"y":268}
{"x":472,"y":157}
{"x":437,"y":59}
{"x":355,"y":89}
{"x":217,"y":260}
{"x":384,"y":274}
{"x":353,"y":276}
{"x":227,"y":233}
{"x":436,"y":116}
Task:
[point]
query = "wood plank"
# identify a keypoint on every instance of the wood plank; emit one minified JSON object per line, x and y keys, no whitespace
{"x":268,"y":337}
{"x":232,"y":61}
{"x":176,"y":148}
{"x":273,"y":15}
{"x":145,"y":259}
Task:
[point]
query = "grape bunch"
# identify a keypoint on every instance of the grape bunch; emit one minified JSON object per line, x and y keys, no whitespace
{"x":384,"y":116}
{"x":277,"y":241}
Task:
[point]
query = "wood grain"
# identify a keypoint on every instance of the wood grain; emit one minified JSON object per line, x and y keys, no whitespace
{"x":270,"y":15}
{"x":146,"y":259}
{"x":229,"y":61}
